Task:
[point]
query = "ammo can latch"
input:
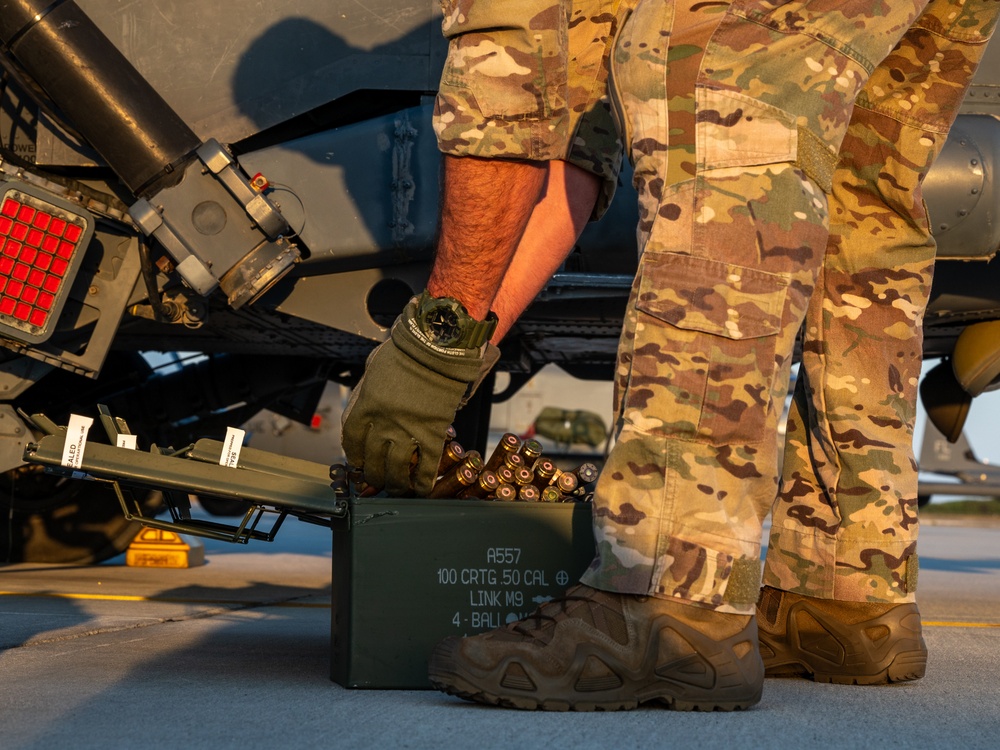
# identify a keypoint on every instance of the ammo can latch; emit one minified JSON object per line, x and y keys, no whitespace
{"x":269,"y":483}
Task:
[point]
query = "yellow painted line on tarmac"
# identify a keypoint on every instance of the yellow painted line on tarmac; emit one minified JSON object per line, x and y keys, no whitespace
{"x":949,"y":624}
{"x":164,"y":599}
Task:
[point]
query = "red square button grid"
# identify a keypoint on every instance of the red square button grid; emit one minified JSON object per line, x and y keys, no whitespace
{"x":36,"y":249}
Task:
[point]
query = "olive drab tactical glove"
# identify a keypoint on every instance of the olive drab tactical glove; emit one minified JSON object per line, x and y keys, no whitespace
{"x":395,"y":424}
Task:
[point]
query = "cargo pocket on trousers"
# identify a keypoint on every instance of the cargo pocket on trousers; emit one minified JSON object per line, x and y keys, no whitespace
{"x":735,"y":130}
{"x":704,"y":355}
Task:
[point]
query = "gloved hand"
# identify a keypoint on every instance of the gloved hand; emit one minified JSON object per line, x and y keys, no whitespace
{"x":395,"y":423}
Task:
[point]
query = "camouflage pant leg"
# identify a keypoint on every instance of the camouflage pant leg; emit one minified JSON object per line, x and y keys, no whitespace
{"x":733,"y":117}
{"x":594,"y":143}
{"x":527,"y":79}
{"x":845,"y":522}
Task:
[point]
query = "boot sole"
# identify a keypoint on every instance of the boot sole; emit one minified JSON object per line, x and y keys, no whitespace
{"x":445,"y":675}
{"x":899,"y":662}
{"x":457,"y":686}
{"x":904,"y":668}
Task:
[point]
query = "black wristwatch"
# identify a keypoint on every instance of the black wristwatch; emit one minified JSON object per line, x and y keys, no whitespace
{"x":446,"y":323}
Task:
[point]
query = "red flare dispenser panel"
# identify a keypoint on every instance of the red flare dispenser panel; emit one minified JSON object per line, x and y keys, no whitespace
{"x":42,"y":242}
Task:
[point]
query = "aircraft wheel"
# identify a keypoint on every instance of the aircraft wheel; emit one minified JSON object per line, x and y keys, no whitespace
{"x":46,"y":518}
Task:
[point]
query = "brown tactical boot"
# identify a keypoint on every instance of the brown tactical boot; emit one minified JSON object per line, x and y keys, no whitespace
{"x":595,"y":650}
{"x":850,"y":643}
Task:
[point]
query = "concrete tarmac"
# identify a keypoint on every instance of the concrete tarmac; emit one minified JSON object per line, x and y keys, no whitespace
{"x":235,"y":654}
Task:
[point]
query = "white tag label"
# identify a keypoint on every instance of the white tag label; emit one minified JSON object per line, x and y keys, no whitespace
{"x":127,"y":441}
{"x":231,"y":447}
{"x":76,"y":440}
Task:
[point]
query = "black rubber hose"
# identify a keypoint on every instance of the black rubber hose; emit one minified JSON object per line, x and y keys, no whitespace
{"x":161,"y":312}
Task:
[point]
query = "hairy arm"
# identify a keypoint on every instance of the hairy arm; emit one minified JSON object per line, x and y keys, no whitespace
{"x":485,"y":207}
{"x":550,"y":235}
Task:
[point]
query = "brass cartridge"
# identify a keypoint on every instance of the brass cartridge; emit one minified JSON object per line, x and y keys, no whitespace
{"x":509,"y":443}
{"x":523,"y":476}
{"x":454,"y":483}
{"x":531,"y":450}
{"x":474,"y":460}
{"x":505,"y":492}
{"x":453,"y":454}
{"x":528,"y":493}
{"x":545,"y":472}
{"x":550,"y":494}
{"x":513,"y":461}
{"x":567,"y":482}
{"x":505,"y":474}
{"x":587,"y":473}
{"x":486,"y":484}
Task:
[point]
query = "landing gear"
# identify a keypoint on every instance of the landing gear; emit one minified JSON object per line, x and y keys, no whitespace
{"x":46,"y":518}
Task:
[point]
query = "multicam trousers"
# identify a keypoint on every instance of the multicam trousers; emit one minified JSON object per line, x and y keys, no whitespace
{"x":845,"y":523}
{"x":778,"y":148}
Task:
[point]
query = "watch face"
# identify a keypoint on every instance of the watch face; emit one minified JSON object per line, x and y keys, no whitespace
{"x":443,"y":325}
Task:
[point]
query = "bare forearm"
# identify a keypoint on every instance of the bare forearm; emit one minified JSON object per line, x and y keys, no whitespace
{"x":551,"y":234}
{"x":486,"y":205}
